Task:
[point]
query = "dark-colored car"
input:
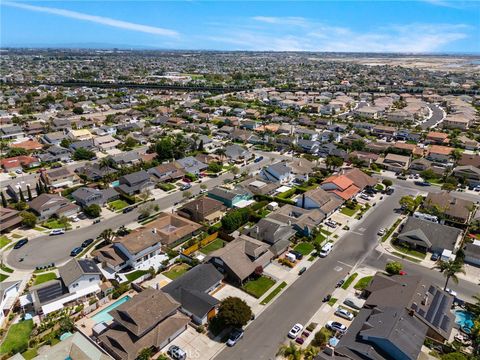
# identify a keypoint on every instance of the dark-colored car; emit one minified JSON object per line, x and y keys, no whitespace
{"x":258,"y":159}
{"x":435,"y":257}
{"x":297,"y":254}
{"x":422,"y":183}
{"x":76,"y":251}
{"x":302,"y":270}
{"x":128,"y":209}
{"x":327,"y":298}
{"x":340,"y":283}
{"x":87,"y":242}
{"x":389,"y":191}
{"x":234,"y":337}
{"x":20,"y":243}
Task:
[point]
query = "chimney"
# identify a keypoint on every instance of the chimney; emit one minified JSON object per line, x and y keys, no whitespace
{"x":425,"y":299}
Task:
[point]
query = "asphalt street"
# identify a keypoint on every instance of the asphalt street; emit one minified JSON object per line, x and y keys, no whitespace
{"x":437,"y":116}
{"x":56,"y":249}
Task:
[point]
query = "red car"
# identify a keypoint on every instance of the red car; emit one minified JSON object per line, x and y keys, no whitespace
{"x":299,"y":340}
{"x":402,"y":272}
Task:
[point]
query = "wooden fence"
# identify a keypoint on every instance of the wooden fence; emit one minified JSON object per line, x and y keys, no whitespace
{"x":200,"y":244}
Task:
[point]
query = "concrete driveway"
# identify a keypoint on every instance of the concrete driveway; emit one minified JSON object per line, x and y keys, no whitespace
{"x":197,"y":346}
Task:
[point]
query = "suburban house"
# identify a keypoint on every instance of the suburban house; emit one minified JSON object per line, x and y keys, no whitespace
{"x":439,"y":153}
{"x":192,"y":290}
{"x":319,"y":199}
{"x":452,"y":208}
{"x":258,"y":187}
{"x":385,"y":131}
{"x":53,"y":138}
{"x":472,"y":253}
{"x":79,"y":279}
{"x":167,"y":172}
{"x":126,"y":158}
{"x":394,"y":162}
{"x":105,"y":143}
{"x":192,"y":165}
{"x":48,"y":205}
{"x":237,"y":153}
{"x":95,"y":171}
{"x":135,"y":183}
{"x":309,"y":146}
{"x":11,"y":132}
{"x":9,"y":219}
{"x":304,"y":221}
{"x":80,"y":134}
{"x":273,"y":232}
{"x":62,"y":177}
{"x":238,"y":197}
{"x":424,"y":301}
{"x":9,"y":292}
{"x":468,"y":172}
{"x":437,"y":138}
{"x":19,"y":162}
{"x":341,"y":186}
{"x":54,"y":154}
{"x":22,"y":185}
{"x":240,"y":258}
{"x":426,"y":235}
{"x":203,"y":210}
{"x":301,"y":169}
{"x":86,"y":196}
{"x":279,"y":173}
{"x":149,"y":320}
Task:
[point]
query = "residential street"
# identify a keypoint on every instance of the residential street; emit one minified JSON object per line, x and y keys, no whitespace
{"x":56,"y":249}
{"x":301,"y":300}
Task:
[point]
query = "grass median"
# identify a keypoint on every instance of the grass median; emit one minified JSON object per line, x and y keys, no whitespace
{"x":274,"y":293}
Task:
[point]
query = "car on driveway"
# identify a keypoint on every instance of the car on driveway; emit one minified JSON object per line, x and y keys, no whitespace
{"x":176,"y":353}
{"x":297,"y":254}
{"x":336,"y":326}
{"x":234,"y":337}
{"x":57,"y":232}
{"x":295,"y":331}
{"x":344,"y":314}
{"x":435,"y":257}
{"x":87,"y":242}
{"x":76,"y":251}
{"x":331,"y":223}
{"x":20,"y":243}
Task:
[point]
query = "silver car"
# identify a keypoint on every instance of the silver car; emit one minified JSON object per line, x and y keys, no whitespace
{"x":344,"y":314}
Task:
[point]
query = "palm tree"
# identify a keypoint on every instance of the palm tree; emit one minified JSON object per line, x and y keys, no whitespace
{"x":290,"y":351}
{"x":107,"y":235}
{"x":106,"y":162}
{"x":450,"y":269}
{"x":310,"y":353}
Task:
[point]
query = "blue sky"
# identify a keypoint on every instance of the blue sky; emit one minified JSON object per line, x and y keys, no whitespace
{"x":353,"y":26}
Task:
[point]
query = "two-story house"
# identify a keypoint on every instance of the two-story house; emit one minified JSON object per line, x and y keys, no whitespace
{"x":238,"y":197}
{"x":135,"y":183}
{"x":278,"y":173}
{"x":48,"y":205}
{"x":86,"y":196}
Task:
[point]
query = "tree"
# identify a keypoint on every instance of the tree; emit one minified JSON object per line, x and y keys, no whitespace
{"x":107,"y":235}
{"x":203,"y":186}
{"x":387,"y":182}
{"x":234,"y":170}
{"x":321,"y":337}
{"x":234,"y":312}
{"x":290,"y":351}
{"x":454,"y":356}
{"x":200,"y":145}
{"x":20,"y":195}
{"x":145,"y":354}
{"x":93,"y":210}
{"x":310,"y":353}
{"x":145,"y":210}
{"x":428,"y":174}
{"x":4,"y":200}
{"x":357,"y":145}
{"x":106,"y":162}
{"x":66,"y":325}
{"x":145,"y":194}
{"x":450,"y":269}
{"x":409,"y":203}
{"x":186,"y":194}
{"x":29,"y":192}
{"x":21,"y":205}
{"x":393,"y":267}
{"x":214,"y":167}
{"x":77,"y":110}
{"x":83,"y":154}
{"x":333,"y":162}
{"x":448,"y":187}
{"x":28,"y":219}
{"x":64,"y":221}
{"x":130,"y":143}
{"x":16,"y":152}
{"x":65,"y":143}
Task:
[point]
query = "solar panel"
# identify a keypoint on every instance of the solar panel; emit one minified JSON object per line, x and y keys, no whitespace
{"x":445,"y":323}
{"x":421,"y":312}
{"x":441,"y":310}
{"x":50,"y":292}
{"x":432,"y":308}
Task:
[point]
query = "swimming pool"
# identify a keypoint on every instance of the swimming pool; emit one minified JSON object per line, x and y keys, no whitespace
{"x":104,"y":316}
{"x":464,"y":319}
{"x":115,"y":183}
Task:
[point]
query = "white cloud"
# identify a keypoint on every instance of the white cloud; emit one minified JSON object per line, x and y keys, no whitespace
{"x":96,"y":19}
{"x":313,"y":36}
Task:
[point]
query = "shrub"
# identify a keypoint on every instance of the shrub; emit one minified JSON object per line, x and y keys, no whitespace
{"x":393,"y":268}
{"x":286,"y":262}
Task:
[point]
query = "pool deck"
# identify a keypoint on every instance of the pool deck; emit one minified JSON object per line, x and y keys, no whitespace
{"x":87,"y":323}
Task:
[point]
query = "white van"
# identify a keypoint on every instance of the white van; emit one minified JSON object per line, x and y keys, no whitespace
{"x":326,"y":249}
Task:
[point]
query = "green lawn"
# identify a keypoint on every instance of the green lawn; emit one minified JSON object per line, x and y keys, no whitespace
{"x":403,"y":256}
{"x":214,"y":245}
{"x":304,"y":248}
{"x":166,"y":187}
{"x":135,"y":275}
{"x":274,"y":293}
{"x":3,"y":277}
{"x":363,"y":283}
{"x":320,"y":238}
{"x":5,"y":268}
{"x":411,"y":252}
{"x":391,"y":230}
{"x":41,"y":278}
{"x":350,"y":279}
{"x":54,"y":224}
{"x":176,"y":271}
{"x":326,"y":232}
{"x":350,"y":212}
{"x":4,"y":241}
{"x":17,"y":337}
{"x":117,"y":205}
{"x":30,"y":354}
{"x":259,"y":286}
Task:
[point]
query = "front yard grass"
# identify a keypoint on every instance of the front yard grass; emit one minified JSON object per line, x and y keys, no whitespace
{"x":304,"y":248}
{"x":117,"y":205}
{"x":259,"y":286}
{"x":350,"y":212}
{"x":411,"y":252}
{"x":3,"y":277}
{"x":4,"y":241}
{"x":30,"y":354}
{"x":350,"y":279}
{"x":176,"y":271}
{"x":214,"y":245}
{"x":54,"y":224}
{"x":274,"y":293}
{"x":391,"y":230}
{"x":41,"y":278}
{"x":363,"y":283}
{"x":135,"y":275}
{"x":320,"y":238}
{"x":17,"y":337}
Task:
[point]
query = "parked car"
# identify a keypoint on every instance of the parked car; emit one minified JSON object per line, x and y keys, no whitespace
{"x":20,"y":243}
{"x":344,"y":314}
{"x":185,"y":187}
{"x":203,"y":191}
{"x":381,"y":232}
{"x":76,"y":251}
{"x":402,"y":177}
{"x":87,"y":242}
{"x":234,"y":337}
{"x":127,"y":210}
{"x":57,"y":232}
{"x":354,"y":304}
{"x":331,"y":223}
{"x":336,"y":326}
{"x":340,"y":283}
{"x":296,"y":329}
{"x":258,"y":159}
{"x":364,"y":197}
{"x":390,"y":191}
{"x":302,"y":270}
{"x":176,"y":353}
{"x":18,"y":171}
{"x":326,"y":249}
{"x":451,"y":292}
{"x":422,"y":183}
{"x":327,"y":298}
{"x":297,"y":254}
{"x":435,"y":257}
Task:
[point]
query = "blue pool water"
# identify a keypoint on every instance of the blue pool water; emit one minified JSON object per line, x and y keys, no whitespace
{"x":464,"y":319}
{"x":115,"y":183}
{"x":103,"y":316}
